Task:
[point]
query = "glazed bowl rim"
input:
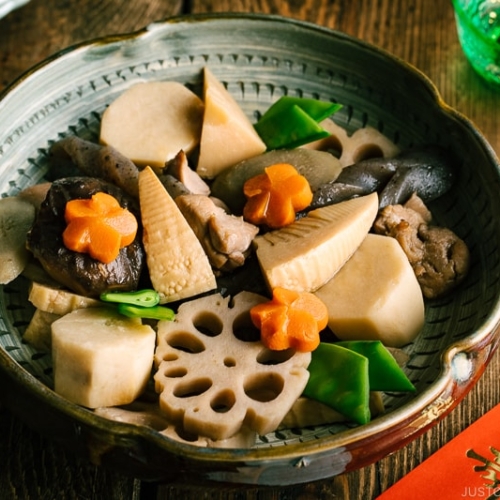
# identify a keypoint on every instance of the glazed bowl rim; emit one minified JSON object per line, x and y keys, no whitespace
{"x":487,"y":337}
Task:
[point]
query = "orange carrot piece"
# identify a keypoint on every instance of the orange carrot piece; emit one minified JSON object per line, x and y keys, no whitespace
{"x":125,"y":223}
{"x":98,"y":226}
{"x":279,"y":172}
{"x":304,"y":302}
{"x":290,"y":320}
{"x":275,"y":196}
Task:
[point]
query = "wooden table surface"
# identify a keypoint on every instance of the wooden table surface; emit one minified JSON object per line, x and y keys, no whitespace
{"x":420,"y":31}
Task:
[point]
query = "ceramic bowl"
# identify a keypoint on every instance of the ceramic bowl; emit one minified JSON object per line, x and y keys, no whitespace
{"x":7,"y":6}
{"x":259,"y":58}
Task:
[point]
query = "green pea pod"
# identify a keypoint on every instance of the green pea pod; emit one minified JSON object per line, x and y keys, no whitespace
{"x":289,"y":129}
{"x":145,"y":298}
{"x":293,"y":121}
{"x":314,"y":108}
{"x":339,"y":379}
{"x":384,"y":372}
{"x":154,"y":312}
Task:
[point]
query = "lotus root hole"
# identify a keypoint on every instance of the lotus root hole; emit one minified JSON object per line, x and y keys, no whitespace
{"x":223,"y":402}
{"x":185,"y":435}
{"x":269,"y":357}
{"x":192,"y":388}
{"x":170,"y":356}
{"x":264,"y":387}
{"x":187,"y":342}
{"x":229,"y":362}
{"x":244,"y":329}
{"x":368,"y":151}
{"x":333,"y":145}
{"x":208,"y":323}
{"x":177,"y":372}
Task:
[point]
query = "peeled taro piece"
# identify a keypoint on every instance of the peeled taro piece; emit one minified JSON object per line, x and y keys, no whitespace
{"x":78,"y":271}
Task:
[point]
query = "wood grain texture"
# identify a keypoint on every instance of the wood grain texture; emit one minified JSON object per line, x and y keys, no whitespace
{"x":39,"y":29}
{"x":420,"y":32}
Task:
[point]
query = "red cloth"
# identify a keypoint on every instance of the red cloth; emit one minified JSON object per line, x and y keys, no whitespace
{"x":466,"y":467}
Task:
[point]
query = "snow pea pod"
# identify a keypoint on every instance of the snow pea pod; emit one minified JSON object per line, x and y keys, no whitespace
{"x":314,"y":108}
{"x":292,"y":121}
{"x":339,"y":379}
{"x":383,"y":371}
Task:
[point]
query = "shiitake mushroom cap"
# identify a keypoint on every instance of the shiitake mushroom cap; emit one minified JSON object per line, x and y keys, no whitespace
{"x":78,"y":271}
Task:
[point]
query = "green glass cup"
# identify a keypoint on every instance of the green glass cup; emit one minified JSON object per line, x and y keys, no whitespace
{"x":478,"y":27}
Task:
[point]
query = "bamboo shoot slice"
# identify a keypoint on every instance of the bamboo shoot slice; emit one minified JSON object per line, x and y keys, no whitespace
{"x":177,"y":263}
{"x":307,"y":253}
{"x":227,"y":136}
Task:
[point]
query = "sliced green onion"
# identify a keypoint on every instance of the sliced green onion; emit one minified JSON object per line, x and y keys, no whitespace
{"x":154,"y":312}
{"x":145,"y":298}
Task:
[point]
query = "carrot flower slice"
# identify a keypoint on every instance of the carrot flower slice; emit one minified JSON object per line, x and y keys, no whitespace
{"x":98,"y":226}
{"x":290,"y":320}
{"x":274,"y":197}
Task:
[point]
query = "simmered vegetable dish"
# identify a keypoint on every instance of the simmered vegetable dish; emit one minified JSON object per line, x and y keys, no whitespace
{"x":262,"y":275}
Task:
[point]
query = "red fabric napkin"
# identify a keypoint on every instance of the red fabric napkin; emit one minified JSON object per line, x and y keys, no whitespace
{"x":466,"y":467}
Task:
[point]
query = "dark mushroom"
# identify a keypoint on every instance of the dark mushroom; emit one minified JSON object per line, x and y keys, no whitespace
{"x":358,"y":179}
{"x":78,"y":271}
{"x":426,"y":171}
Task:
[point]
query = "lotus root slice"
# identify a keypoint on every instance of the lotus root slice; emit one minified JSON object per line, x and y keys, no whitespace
{"x":216,"y":377}
{"x":364,"y":143}
{"x":149,"y":414}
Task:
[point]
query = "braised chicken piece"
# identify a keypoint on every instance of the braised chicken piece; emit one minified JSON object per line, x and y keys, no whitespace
{"x":439,"y":258}
{"x":178,"y":167}
{"x":445,"y":262}
{"x":225,"y":238}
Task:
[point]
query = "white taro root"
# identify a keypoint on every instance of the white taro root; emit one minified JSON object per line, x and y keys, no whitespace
{"x":51,"y":303}
{"x":214,"y":384}
{"x":38,"y":333}
{"x":375,"y":296}
{"x":152,"y":121}
{"x":227,"y":136}
{"x":100,"y":357}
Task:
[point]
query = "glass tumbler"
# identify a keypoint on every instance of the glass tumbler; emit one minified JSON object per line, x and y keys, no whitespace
{"x":478,"y":27}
